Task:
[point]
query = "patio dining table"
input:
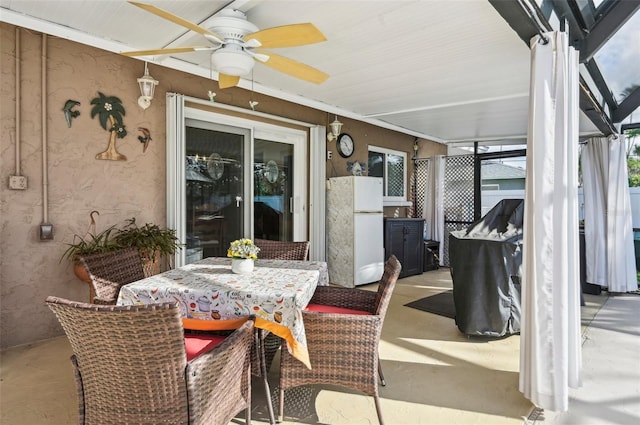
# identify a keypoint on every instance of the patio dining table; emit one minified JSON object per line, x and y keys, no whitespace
{"x":211,"y":296}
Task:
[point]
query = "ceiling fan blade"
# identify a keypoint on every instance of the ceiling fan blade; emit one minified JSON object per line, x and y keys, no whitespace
{"x":177,"y":20}
{"x":287,"y":36}
{"x":164,"y":51}
{"x":294,"y":68}
{"x":226,"y":81}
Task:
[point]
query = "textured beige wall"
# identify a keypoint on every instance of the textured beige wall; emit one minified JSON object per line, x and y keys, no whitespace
{"x":30,"y":270}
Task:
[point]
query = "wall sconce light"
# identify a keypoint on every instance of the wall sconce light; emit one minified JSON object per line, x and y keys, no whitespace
{"x":147,"y":87}
{"x":336,"y":126}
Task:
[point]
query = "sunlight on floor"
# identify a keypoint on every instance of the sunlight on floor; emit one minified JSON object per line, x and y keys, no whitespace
{"x":434,"y":374}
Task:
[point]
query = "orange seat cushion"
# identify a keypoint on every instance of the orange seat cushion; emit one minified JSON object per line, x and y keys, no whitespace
{"x":198,"y":344}
{"x":321,"y":308}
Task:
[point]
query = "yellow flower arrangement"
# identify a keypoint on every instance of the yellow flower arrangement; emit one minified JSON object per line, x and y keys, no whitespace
{"x":243,"y":248}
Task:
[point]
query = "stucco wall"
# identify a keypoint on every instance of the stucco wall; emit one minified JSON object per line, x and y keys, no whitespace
{"x":31,"y":269}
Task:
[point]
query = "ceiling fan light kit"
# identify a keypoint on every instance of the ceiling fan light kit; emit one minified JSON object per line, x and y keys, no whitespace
{"x":233,"y":39}
{"x":232,"y":62}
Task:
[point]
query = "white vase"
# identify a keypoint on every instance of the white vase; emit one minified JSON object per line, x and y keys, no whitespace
{"x":241,"y":265}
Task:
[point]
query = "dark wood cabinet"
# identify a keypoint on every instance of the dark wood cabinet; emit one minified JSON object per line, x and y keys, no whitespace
{"x":403,"y":237}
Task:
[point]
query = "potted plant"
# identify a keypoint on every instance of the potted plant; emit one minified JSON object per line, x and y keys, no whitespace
{"x":89,"y":244}
{"x":152,"y":243}
{"x":242,"y":252}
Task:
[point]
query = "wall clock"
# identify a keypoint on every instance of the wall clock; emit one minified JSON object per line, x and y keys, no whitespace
{"x":345,"y":145}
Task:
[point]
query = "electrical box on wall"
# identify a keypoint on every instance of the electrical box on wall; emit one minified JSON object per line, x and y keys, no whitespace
{"x":46,"y":232}
{"x":17,"y":182}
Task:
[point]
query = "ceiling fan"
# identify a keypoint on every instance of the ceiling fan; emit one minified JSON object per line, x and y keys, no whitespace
{"x":235,"y":44}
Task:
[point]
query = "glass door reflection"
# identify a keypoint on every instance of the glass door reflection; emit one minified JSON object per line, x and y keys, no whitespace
{"x":215,"y":188}
{"x":273,"y":190}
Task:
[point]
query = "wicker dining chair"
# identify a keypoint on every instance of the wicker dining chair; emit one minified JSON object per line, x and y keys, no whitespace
{"x":261,"y":355}
{"x":343,"y":328}
{"x":282,"y":250}
{"x":109,"y":271}
{"x":135,"y":365}
{"x":277,"y":250}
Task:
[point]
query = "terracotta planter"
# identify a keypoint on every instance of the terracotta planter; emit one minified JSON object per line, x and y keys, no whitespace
{"x":82,"y":274}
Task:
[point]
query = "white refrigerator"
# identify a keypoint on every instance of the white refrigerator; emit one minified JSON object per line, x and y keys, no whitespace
{"x":355,"y":230}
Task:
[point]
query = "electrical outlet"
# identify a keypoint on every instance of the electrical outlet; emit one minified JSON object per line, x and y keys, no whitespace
{"x":329,"y":155}
{"x":18,"y":182}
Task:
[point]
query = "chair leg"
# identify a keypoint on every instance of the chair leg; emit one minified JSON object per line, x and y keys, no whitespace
{"x":380,"y":374}
{"x":281,"y":407}
{"x":247,"y":415}
{"x":378,"y":410}
{"x":263,"y":371}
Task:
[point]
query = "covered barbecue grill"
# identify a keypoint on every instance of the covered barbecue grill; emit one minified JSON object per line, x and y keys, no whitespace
{"x":486,"y":268}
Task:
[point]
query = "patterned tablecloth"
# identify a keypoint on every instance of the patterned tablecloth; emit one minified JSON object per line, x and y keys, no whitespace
{"x":321,"y":266}
{"x":275,"y":292}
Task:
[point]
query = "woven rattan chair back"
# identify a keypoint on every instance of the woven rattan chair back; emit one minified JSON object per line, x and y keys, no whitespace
{"x":282,"y":250}
{"x":386,"y":285}
{"x":131,"y":366}
{"x":343,"y":348}
{"x":109,"y":271}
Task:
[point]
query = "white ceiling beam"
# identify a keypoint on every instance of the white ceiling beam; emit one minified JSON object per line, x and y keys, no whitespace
{"x":67,"y":33}
{"x":449,"y":105}
{"x":507,"y":140}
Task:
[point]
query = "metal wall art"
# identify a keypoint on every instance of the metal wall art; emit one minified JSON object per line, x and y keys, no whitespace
{"x":68,"y":113}
{"x":145,"y":138}
{"x":110,"y":111}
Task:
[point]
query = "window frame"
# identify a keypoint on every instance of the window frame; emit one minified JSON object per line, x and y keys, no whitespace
{"x":391,"y":200}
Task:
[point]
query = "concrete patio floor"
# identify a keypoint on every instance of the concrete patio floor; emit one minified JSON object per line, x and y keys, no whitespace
{"x":434,"y":373}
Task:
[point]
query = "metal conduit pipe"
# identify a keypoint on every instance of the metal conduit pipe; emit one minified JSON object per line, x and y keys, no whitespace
{"x":18,"y":103}
{"x":46,"y":229}
{"x":43,"y":97}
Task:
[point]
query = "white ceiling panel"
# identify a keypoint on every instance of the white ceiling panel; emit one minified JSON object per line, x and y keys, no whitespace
{"x":442,"y":69}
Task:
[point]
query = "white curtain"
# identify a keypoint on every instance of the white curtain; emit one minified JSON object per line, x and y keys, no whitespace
{"x":550,"y":352}
{"x":433,"y":209}
{"x":622,"y":267}
{"x":176,"y":171}
{"x":607,"y":223}
{"x":595,"y":171}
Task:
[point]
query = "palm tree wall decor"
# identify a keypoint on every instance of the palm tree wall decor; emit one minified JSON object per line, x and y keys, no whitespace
{"x":110,"y":112}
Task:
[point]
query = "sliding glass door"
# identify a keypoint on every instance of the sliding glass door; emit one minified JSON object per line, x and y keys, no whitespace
{"x":235,"y":178}
{"x":215,"y":187}
{"x":273,"y":190}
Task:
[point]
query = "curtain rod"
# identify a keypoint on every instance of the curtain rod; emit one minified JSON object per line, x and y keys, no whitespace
{"x":596,"y":106}
{"x":539,"y":28}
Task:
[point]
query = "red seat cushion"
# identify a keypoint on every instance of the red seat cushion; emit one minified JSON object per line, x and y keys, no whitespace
{"x":198,"y":344}
{"x":321,"y":308}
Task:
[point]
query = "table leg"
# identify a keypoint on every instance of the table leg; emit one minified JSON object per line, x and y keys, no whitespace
{"x":260,"y":335}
